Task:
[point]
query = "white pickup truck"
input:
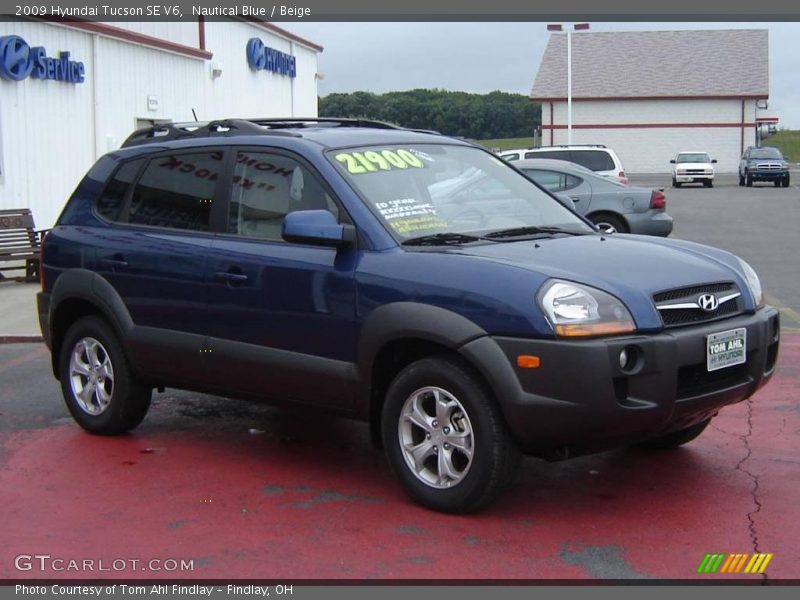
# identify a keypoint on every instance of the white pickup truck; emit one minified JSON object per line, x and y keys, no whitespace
{"x":692,"y":167}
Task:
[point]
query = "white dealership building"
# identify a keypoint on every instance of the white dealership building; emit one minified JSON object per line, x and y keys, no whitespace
{"x":651,"y":94}
{"x":72,"y":91}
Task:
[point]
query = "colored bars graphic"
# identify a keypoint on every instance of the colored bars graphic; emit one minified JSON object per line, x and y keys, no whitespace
{"x":733,"y":563}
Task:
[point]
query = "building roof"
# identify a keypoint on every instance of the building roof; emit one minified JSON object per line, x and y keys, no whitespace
{"x":657,"y":64}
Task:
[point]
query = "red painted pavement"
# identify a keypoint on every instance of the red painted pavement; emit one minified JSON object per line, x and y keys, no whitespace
{"x":309,"y":498}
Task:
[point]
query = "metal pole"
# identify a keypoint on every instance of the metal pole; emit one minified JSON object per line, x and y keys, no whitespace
{"x":569,"y":86}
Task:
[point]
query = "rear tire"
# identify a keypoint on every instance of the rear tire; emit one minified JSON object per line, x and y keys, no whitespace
{"x":606,"y":221}
{"x":445,"y":437}
{"x":675,"y":438}
{"x":100,"y":391}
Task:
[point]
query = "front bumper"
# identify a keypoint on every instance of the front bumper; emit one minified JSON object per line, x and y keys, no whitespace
{"x":580,"y":400}
{"x":693,"y":178}
{"x":768,"y":175}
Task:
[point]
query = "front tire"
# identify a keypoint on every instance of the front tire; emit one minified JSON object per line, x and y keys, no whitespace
{"x":100,"y":391}
{"x":748,"y":180}
{"x":445,"y":437}
{"x":675,"y":438}
{"x":786,"y":181}
{"x":741,"y":180}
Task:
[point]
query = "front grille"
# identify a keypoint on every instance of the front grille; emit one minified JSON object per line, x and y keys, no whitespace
{"x":696,"y":380}
{"x":678,"y":317}
{"x":695,"y":171}
{"x":768,"y":167}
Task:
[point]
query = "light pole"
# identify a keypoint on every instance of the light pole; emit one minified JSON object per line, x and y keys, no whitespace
{"x":576,"y":27}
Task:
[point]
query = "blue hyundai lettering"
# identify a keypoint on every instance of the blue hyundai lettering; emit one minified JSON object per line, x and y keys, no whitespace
{"x":19,"y":61}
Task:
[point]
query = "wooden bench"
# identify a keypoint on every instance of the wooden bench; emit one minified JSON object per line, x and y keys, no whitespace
{"x":19,"y":242}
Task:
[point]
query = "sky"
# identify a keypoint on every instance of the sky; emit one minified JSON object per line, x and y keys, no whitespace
{"x":482,"y":57}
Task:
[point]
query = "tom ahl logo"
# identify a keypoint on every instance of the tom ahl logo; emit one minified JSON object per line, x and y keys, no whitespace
{"x":18,"y":61}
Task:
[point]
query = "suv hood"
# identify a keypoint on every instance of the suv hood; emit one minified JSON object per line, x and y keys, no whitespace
{"x":631,"y":267}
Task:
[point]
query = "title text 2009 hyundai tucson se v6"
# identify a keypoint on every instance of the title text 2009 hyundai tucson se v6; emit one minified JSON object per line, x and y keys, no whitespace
{"x":306,"y":261}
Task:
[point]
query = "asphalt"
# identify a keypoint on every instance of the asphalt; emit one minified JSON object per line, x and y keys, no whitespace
{"x":248,"y":491}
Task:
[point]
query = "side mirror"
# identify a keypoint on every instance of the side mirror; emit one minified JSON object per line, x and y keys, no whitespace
{"x":672,"y":161}
{"x":317,"y":228}
{"x":713,"y":160}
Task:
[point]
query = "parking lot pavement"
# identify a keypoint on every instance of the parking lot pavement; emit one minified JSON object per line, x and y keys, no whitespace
{"x":761,"y":224}
{"x":18,"y":319}
{"x":249,"y":491}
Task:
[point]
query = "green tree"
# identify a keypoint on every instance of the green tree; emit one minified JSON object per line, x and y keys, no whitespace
{"x":476,"y":116}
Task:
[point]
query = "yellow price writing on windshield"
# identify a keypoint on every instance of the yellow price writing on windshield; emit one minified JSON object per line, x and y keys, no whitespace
{"x":374,"y":161}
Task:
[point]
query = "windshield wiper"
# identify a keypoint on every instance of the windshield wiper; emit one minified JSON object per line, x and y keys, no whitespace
{"x":441,"y":239}
{"x":531,"y":230}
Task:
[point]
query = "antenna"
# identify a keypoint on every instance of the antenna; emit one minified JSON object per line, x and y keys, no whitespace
{"x":194,"y":114}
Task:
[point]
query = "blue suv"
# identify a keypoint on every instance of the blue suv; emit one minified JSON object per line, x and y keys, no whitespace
{"x":307,"y":261}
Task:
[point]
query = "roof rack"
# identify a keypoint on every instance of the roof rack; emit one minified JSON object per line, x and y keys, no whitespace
{"x":573,"y":146}
{"x":167,"y":132}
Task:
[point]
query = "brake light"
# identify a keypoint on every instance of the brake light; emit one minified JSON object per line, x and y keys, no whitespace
{"x":658,"y":200}
{"x":621,"y":174}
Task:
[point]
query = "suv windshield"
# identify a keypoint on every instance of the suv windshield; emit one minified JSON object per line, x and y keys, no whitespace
{"x":766,"y":153}
{"x":695,"y":157}
{"x":424,"y":189}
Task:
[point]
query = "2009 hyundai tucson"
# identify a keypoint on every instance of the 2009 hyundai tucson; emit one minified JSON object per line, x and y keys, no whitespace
{"x":307,"y":261}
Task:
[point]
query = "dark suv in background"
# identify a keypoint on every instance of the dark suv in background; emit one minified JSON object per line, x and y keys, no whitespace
{"x":763,"y":164}
{"x":309,"y":261}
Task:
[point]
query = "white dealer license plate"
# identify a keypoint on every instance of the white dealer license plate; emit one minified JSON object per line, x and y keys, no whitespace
{"x":726,"y":349}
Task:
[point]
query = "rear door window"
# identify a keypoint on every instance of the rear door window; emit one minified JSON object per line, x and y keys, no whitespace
{"x":556,"y":154}
{"x":176,"y":191}
{"x":596,"y":160}
{"x":552,"y":180}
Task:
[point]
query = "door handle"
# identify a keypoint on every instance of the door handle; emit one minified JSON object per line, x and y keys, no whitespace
{"x":575,"y":198}
{"x":230,"y":276}
{"x":114,"y":263}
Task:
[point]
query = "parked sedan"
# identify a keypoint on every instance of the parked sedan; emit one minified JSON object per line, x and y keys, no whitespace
{"x":609,"y":204}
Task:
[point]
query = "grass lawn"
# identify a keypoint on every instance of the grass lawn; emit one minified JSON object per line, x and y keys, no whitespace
{"x":508,"y":143}
{"x":789,"y":143}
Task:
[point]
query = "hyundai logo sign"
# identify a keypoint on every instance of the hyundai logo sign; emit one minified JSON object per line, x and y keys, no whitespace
{"x":19,"y":61}
{"x":264,"y":58}
{"x":708,"y":302}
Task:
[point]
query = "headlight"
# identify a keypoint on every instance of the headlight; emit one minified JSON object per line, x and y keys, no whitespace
{"x":753,"y":283}
{"x":575,"y":310}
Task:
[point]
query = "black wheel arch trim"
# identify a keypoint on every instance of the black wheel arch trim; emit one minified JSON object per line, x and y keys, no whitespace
{"x":405,"y":321}
{"x":82,"y":284}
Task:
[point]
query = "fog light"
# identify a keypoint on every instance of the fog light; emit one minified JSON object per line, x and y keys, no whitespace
{"x":628,"y":357}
